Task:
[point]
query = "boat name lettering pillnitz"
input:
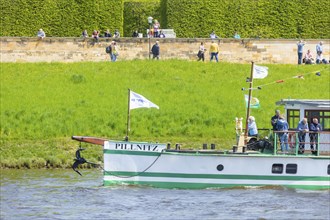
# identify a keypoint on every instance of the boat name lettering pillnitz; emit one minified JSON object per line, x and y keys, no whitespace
{"x":134,"y":146}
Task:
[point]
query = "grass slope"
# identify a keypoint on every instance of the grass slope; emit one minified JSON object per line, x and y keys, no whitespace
{"x":43,"y":104}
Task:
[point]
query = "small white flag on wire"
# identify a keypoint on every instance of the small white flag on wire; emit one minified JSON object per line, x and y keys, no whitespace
{"x":139,"y":101}
{"x":260,"y":72}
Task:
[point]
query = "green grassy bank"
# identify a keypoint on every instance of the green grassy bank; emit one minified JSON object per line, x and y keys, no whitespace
{"x":44,"y":104}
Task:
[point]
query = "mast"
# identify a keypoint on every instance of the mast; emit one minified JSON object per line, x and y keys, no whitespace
{"x":249,"y":101}
{"x":128,"y":115}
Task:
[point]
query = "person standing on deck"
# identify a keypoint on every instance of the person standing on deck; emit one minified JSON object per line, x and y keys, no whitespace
{"x":252,"y":127}
{"x":302,"y":129}
{"x":282,"y":126}
{"x":274,"y":119}
{"x":315,"y":127}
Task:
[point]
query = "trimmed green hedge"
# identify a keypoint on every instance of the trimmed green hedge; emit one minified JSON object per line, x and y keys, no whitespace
{"x":251,"y":18}
{"x":136,"y":14}
{"x":189,"y":18}
{"x":60,"y":18}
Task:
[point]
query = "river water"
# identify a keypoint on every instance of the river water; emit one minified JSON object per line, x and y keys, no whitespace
{"x":63,"y":194}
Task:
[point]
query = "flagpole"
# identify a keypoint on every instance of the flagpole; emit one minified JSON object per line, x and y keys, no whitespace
{"x":128,"y":114}
{"x":248,"y":107}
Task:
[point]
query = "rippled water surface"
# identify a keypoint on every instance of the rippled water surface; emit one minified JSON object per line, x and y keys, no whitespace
{"x":62,"y":194}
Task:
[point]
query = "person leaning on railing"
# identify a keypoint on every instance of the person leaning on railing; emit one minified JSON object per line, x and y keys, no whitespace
{"x":282,"y":127}
{"x":314,"y":127}
{"x":302,"y":129}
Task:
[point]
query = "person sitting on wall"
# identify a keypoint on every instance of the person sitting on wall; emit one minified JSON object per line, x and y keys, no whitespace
{"x":135,"y":34}
{"x":308,"y":59}
{"x":237,"y":36}
{"x":84,"y":34}
{"x":161,"y":34}
{"x":116,"y":34}
{"x":107,"y":33}
{"x":213,"y":35}
{"x":41,"y":34}
{"x":95,"y":36}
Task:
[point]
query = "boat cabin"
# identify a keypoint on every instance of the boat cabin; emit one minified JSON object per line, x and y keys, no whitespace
{"x":297,"y":109}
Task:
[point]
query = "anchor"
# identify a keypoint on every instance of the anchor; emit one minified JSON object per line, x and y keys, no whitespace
{"x":80,"y":160}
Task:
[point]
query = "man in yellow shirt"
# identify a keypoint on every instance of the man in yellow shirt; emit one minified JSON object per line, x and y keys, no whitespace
{"x":214,"y":50}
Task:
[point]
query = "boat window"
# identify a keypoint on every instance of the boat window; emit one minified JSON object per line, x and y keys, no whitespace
{"x":220,"y":167}
{"x":329,"y":169}
{"x":277,"y":168}
{"x":293,"y":116}
{"x":291,"y":168}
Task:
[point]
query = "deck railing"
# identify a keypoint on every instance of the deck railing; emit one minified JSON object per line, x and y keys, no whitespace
{"x":320,"y":142}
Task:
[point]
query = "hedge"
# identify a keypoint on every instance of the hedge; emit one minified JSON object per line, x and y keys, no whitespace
{"x":60,"y":18}
{"x":189,"y":18}
{"x":251,"y":18}
{"x":136,"y":14}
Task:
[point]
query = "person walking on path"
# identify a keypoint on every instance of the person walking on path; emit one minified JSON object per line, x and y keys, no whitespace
{"x":155,"y":50}
{"x":115,"y":51}
{"x":214,"y":51}
{"x":201,"y":51}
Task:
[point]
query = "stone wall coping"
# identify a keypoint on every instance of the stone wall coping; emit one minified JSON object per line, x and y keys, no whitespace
{"x":145,"y":39}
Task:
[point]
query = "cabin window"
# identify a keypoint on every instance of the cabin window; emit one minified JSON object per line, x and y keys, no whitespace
{"x":291,"y":168}
{"x":293,"y":117}
{"x":329,"y":169}
{"x":322,"y":115}
{"x":277,"y":168}
{"x":220,"y":167}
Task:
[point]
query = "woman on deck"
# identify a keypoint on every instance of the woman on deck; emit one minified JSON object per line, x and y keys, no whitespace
{"x":252,"y":127}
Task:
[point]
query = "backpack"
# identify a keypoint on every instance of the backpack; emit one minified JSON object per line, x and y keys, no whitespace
{"x":108,"y":49}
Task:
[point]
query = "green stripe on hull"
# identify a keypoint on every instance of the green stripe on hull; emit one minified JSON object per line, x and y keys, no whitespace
{"x":217,"y":176}
{"x":178,"y":185}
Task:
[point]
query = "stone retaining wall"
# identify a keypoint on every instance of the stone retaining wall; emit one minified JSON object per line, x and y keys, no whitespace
{"x":22,"y":49}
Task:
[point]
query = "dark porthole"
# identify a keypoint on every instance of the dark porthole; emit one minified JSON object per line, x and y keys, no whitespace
{"x":291,"y":168}
{"x":277,"y":168}
{"x":329,"y":169}
{"x":220,"y":167}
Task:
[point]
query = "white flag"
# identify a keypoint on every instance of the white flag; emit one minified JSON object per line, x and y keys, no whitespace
{"x":139,"y":101}
{"x":260,"y":72}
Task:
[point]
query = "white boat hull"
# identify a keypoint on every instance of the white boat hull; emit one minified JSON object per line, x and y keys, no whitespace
{"x":202,"y":169}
